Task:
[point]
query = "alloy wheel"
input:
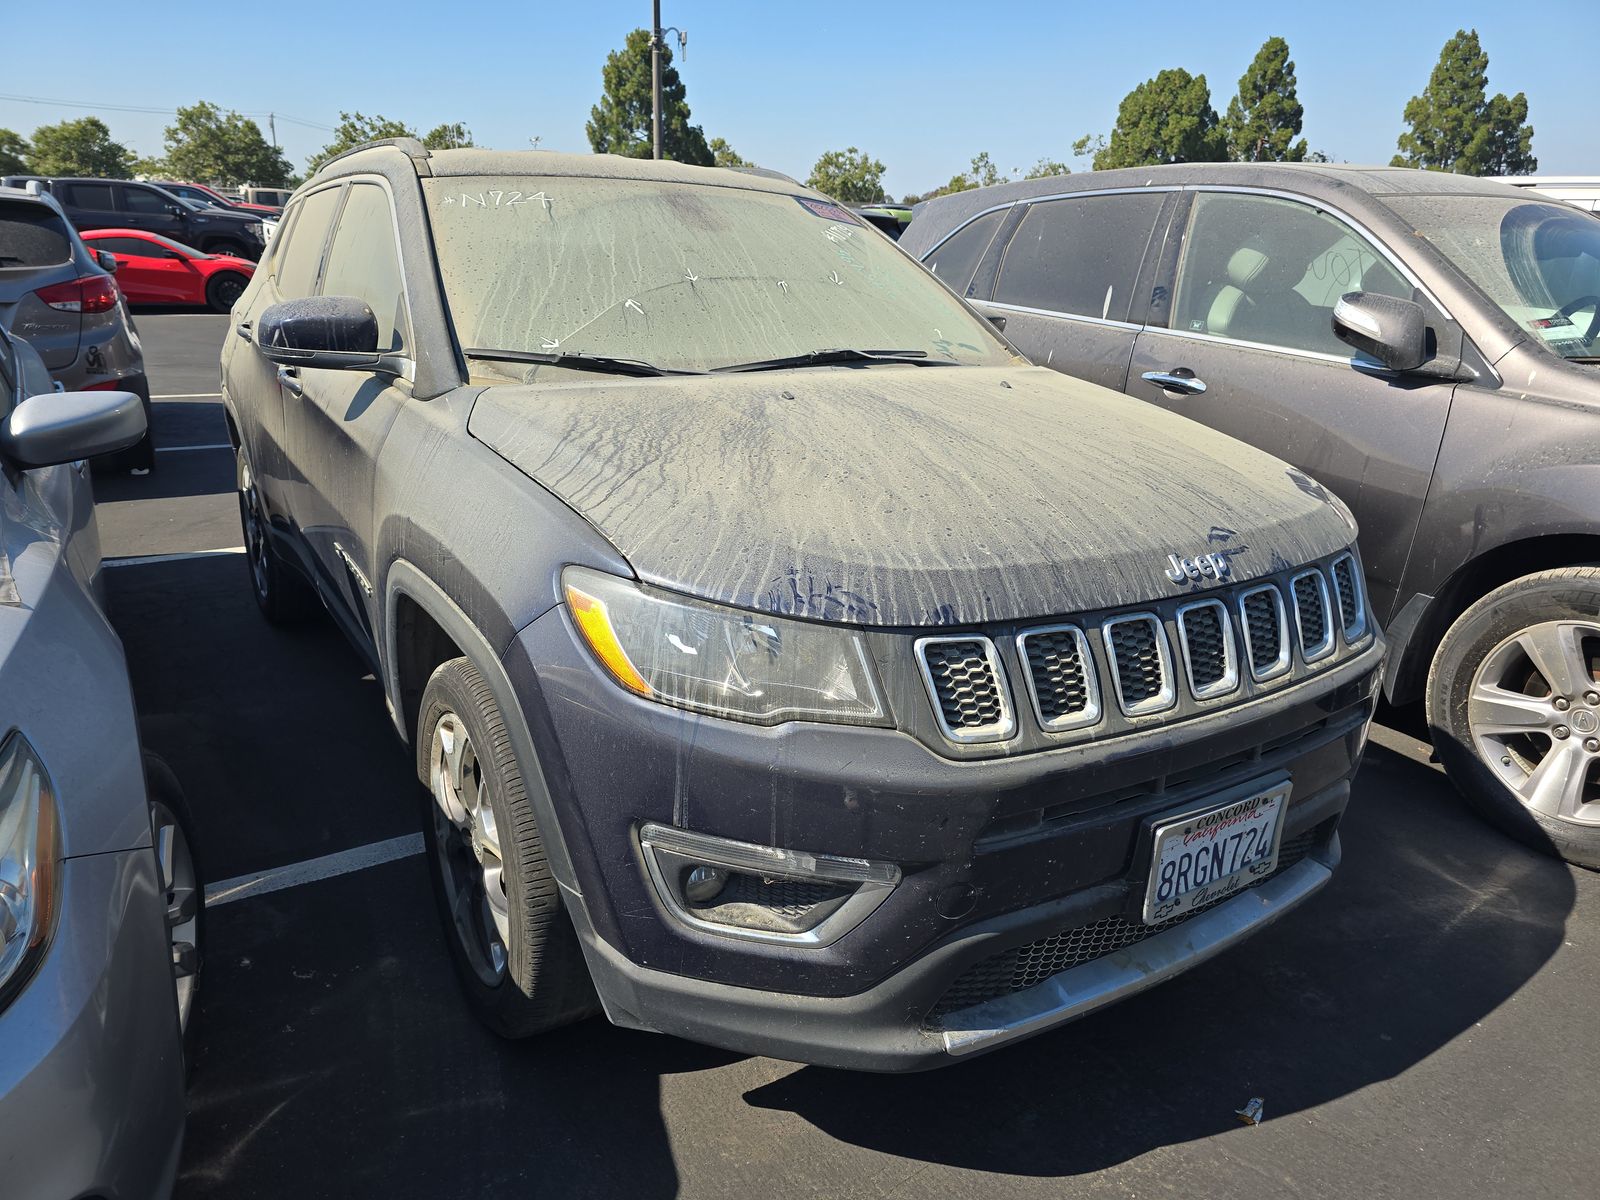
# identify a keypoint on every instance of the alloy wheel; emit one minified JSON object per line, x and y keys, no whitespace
{"x":467,"y":842}
{"x":1534,"y":714}
{"x":255,"y":532}
{"x":229,"y":290}
{"x":180,"y":884}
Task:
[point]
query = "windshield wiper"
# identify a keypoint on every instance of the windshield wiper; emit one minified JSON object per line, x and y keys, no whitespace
{"x":819,"y":358}
{"x":577,"y":360}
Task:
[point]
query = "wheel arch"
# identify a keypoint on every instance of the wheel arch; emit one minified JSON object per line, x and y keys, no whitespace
{"x":1421,"y":625}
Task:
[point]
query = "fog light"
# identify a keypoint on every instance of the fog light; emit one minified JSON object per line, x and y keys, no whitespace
{"x":703,"y":884}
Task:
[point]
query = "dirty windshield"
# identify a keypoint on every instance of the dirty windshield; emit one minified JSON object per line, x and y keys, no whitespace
{"x":683,"y":277}
{"x":1540,"y":263}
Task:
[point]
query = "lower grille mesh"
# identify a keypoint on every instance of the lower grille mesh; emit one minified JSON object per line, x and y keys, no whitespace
{"x":964,"y":683}
{"x":1022,"y":967}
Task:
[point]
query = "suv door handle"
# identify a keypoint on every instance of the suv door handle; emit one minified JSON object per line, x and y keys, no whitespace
{"x":242,"y":329}
{"x":1180,"y":380}
{"x":289,"y":381}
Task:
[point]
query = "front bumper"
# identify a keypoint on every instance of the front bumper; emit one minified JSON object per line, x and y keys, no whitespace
{"x":993,"y":854}
{"x":91,"y":1061}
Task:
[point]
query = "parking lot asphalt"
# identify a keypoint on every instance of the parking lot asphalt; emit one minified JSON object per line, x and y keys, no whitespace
{"x":1425,"y":1027}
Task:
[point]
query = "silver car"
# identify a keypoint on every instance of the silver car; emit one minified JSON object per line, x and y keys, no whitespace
{"x":100,"y":903}
{"x":59,"y":296}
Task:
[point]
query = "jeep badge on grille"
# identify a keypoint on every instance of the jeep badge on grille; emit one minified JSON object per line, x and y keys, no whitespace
{"x":1201,"y":566}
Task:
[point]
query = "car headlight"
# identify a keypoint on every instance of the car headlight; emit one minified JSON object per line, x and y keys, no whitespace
{"x":726,"y":661}
{"x":29,"y":866}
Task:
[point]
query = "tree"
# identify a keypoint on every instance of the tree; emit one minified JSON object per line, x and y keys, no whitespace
{"x":1168,"y":119}
{"x":1455,"y":126}
{"x":14,"y":151}
{"x":1265,"y":117}
{"x":724,"y":155}
{"x":81,"y":147}
{"x":620,"y":123}
{"x":213,"y":146}
{"x":851,"y":176}
{"x":1047,"y":167}
{"x":353,"y":130}
{"x":454,"y":136}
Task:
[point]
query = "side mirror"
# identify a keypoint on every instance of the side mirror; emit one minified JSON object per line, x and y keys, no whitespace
{"x":337,"y":332}
{"x":62,"y":427}
{"x":175,"y":209}
{"x":107,"y":260}
{"x":1391,"y":330}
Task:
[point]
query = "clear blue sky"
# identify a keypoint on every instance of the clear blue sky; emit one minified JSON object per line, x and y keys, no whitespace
{"x":922,"y":86}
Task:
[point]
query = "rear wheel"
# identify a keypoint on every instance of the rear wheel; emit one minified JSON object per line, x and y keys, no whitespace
{"x":511,"y":940}
{"x":1514,"y":706}
{"x":282,"y":593}
{"x":141,"y":456}
{"x":224,"y":290}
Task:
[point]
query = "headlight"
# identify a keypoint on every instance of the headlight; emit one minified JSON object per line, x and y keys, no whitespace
{"x":725,"y":661}
{"x":29,"y":870}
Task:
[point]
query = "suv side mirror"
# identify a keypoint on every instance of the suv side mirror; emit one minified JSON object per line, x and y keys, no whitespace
{"x":62,"y":427}
{"x":337,"y":332}
{"x":1391,"y":330}
{"x":107,"y":260}
{"x":175,"y":209}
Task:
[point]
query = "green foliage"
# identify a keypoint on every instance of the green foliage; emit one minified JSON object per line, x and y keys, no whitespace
{"x":353,"y":130}
{"x":1046,"y":167}
{"x":1456,"y":126}
{"x":1168,"y":119}
{"x":453,"y":136}
{"x":620,"y":123}
{"x":14,"y":151}
{"x":81,"y":147}
{"x":850,"y":176}
{"x":209,"y":145}
{"x":724,"y":155}
{"x":1264,"y":119}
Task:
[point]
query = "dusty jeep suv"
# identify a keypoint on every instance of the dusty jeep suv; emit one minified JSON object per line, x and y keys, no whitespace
{"x":789,"y":665}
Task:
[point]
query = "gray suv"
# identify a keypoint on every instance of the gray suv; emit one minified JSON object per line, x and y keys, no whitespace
{"x":61,"y":298}
{"x":1425,"y":345}
{"x":787,"y":664}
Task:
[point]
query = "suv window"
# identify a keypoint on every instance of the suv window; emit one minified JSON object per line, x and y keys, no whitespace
{"x":1079,"y":256}
{"x":957,"y":257}
{"x":301,"y":256}
{"x":93,"y":196}
{"x":363,"y":262}
{"x":31,"y":235}
{"x":1261,"y":269}
{"x":143,"y":200}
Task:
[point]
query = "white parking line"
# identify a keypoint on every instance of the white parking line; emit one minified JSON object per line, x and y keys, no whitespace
{"x":188,"y":396}
{"x":245,"y":887}
{"x":140,"y":560}
{"x":207,"y":446}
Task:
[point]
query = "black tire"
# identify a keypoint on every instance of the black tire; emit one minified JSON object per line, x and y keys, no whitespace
{"x":1482,"y":639}
{"x":542,"y":982}
{"x":186,"y":917}
{"x":224,"y":290}
{"x":141,"y":456}
{"x":282,"y":593}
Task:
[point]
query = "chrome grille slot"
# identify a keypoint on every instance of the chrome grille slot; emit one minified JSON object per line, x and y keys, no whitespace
{"x":1061,"y":676}
{"x":1311,"y":614}
{"x":1206,"y":635}
{"x":1347,"y":586}
{"x":1265,"y":629}
{"x":967,"y":687}
{"x":1141,"y":663}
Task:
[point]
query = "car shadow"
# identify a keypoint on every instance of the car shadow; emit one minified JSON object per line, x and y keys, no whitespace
{"x":176,"y":475}
{"x":1432,"y":922}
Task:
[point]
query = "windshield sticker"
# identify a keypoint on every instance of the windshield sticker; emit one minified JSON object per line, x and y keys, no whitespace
{"x":838,"y":233}
{"x":827,"y":210}
{"x":1554,"y":322}
{"x":496,"y":200}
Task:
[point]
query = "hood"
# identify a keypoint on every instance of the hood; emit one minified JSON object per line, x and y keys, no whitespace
{"x":905,"y":495}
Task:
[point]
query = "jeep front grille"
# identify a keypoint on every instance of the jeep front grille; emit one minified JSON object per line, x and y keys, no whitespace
{"x":1061,"y":676}
{"x":1311,"y":614}
{"x":1141,"y":667}
{"x":1265,"y":630}
{"x":1347,"y":585}
{"x":1206,"y":635}
{"x":967,"y":686}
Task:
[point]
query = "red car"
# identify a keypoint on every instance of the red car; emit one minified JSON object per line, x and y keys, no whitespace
{"x":152,"y":269}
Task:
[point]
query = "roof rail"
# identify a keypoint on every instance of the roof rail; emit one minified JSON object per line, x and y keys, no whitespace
{"x":406,"y":145}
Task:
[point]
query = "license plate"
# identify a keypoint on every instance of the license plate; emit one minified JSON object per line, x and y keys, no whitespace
{"x":1202,"y":858}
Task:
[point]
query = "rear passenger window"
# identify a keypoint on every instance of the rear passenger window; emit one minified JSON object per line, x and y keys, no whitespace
{"x":95,"y":196}
{"x":142,"y":200}
{"x":1079,"y":256}
{"x":957,"y":257}
{"x":301,"y":256}
{"x":363,"y":262}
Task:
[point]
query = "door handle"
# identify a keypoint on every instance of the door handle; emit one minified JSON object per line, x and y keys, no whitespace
{"x":242,"y":329}
{"x":289,"y":381}
{"x":1181,"y":380}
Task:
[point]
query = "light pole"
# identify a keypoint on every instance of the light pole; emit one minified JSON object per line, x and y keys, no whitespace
{"x":655,"y":71}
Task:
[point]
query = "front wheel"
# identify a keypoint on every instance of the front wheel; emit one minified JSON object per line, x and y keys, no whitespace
{"x":511,"y":940}
{"x":1514,"y":706}
{"x":282,"y":594}
{"x":182,"y":884}
{"x":224,"y":291}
